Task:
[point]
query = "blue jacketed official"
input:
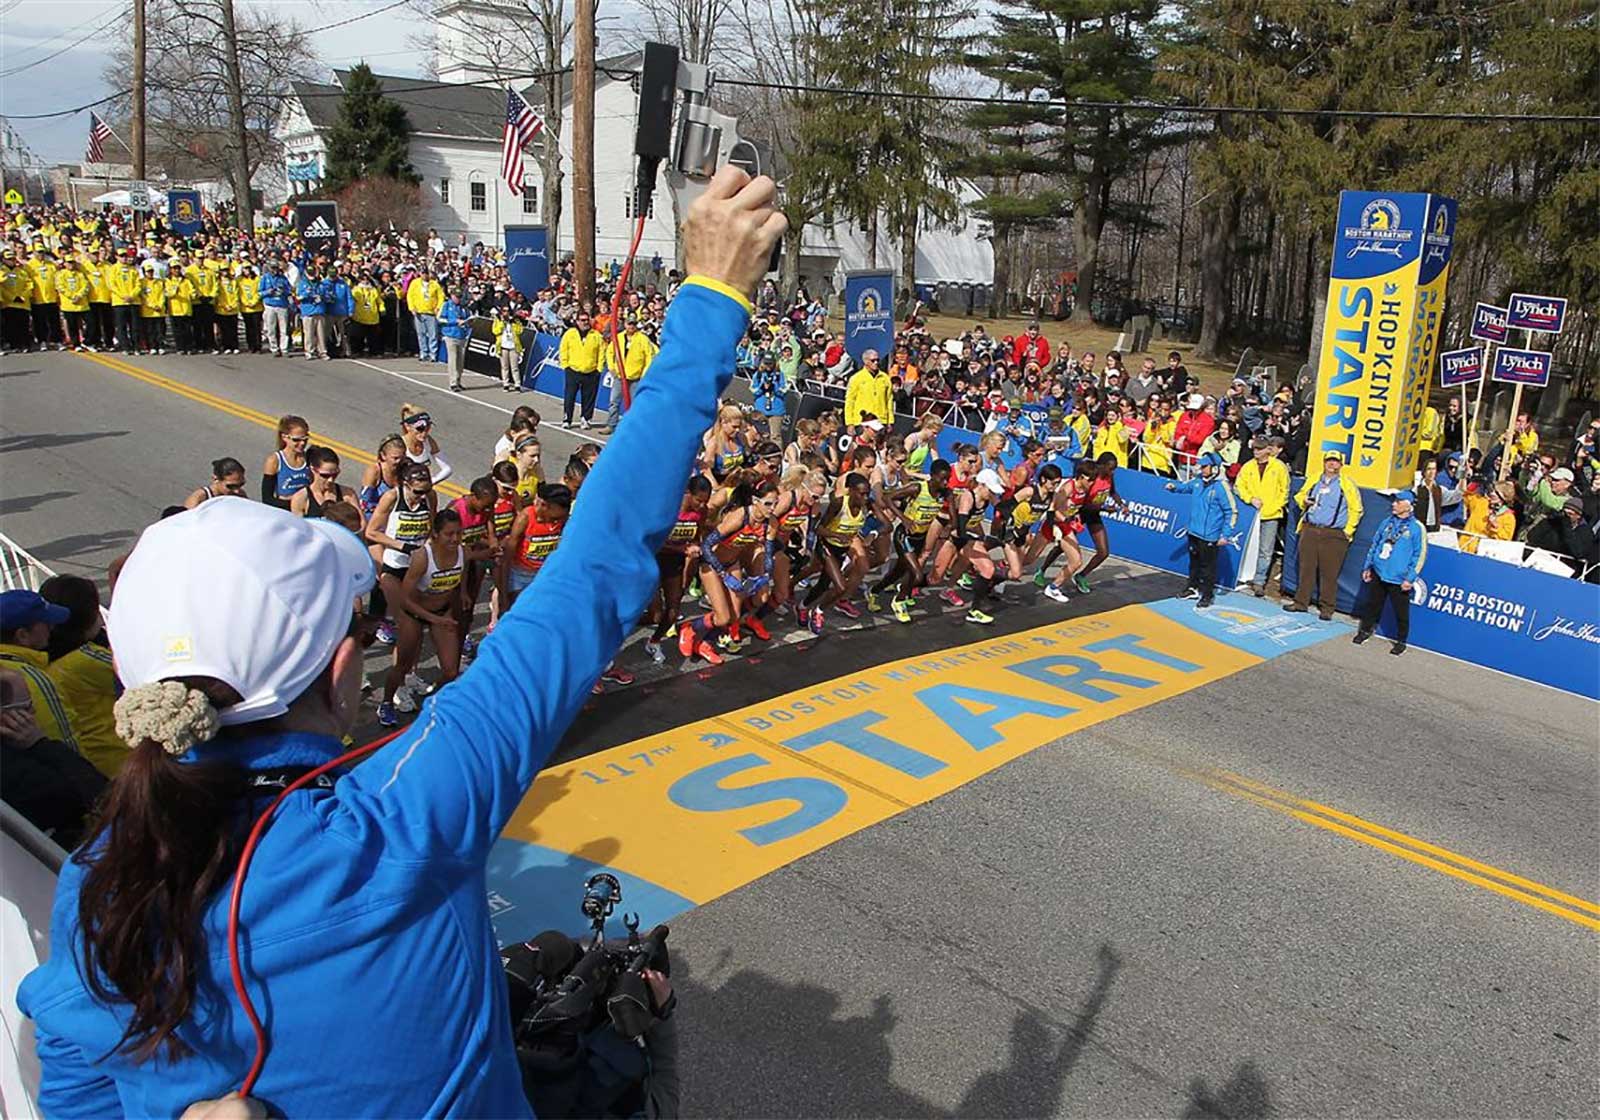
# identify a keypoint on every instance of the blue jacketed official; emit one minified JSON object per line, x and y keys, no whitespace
{"x":1399,"y":549}
{"x":367,"y":941}
{"x":1213,"y":514}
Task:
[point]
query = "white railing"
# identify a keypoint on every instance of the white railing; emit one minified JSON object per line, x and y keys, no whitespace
{"x":1511,"y":552}
{"x":19,"y":568}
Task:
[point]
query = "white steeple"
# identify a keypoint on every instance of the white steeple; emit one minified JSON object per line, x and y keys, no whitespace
{"x":472,"y":37}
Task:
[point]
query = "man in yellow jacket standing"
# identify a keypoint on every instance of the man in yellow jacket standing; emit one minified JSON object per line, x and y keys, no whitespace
{"x":1330,"y":508}
{"x":46,"y":304}
{"x":1264,"y":483}
{"x":581,"y":350}
{"x":127,"y":294}
{"x":869,"y":392}
{"x":637,"y":354}
{"x":423,"y":299}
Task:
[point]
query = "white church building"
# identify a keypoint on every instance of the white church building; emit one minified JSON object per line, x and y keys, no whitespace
{"x":455,"y":148}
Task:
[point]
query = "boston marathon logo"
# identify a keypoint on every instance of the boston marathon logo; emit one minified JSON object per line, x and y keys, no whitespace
{"x":1379,"y":231}
{"x":183,"y":210}
{"x":1473,"y":606}
{"x":1436,"y":241}
{"x":869,"y":313}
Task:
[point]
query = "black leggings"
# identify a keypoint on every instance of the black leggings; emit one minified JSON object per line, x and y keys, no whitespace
{"x":1203,"y":567}
{"x":1370,"y":609}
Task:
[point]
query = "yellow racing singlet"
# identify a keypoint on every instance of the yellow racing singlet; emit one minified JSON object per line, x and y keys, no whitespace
{"x":845,"y":526}
{"x":922,"y":509}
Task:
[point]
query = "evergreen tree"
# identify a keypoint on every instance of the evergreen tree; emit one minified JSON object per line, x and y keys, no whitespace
{"x":371,"y":138}
{"x":1053,"y":51}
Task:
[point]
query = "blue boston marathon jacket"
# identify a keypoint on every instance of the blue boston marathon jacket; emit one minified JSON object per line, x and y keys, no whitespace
{"x":1213,"y":512}
{"x":1398,"y":549}
{"x":369,"y":948}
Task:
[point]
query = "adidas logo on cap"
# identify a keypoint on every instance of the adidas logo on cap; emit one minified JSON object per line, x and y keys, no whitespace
{"x":319,"y":227}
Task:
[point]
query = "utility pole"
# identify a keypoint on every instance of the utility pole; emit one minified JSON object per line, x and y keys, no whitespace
{"x":583,"y":216}
{"x":137,"y":127}
{"x":244,"y":212}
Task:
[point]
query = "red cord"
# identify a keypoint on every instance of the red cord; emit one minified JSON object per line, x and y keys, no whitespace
{"x":616,"y":304}
{"x":238,"y":892}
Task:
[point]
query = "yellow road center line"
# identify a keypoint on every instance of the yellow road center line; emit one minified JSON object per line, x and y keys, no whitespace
{"x":1422,"y":845}
{"x":1310,"y":813}
{"x":244,"y":412}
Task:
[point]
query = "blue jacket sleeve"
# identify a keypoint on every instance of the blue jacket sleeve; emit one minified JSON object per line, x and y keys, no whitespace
{"x":1372,"y":549}
{"x":1419,"y":551}
{"x":443,"y":791}
{"x":1187,"y":486}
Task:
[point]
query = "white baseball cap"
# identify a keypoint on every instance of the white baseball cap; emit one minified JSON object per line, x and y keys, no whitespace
{"x":991,"y":478}
{"x":1196,"y":400}
{"x":246,"y":593}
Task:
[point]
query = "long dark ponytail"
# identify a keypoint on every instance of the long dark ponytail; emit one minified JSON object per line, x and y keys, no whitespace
{"x":162,"y":844}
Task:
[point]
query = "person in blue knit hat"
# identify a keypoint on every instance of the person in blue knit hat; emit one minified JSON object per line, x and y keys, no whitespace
{"x":1213,"y":514}
{"x":1396,"y":555}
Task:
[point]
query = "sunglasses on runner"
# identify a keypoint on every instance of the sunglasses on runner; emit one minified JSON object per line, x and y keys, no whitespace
{"x":328,"y":476}
{"x":420,"y":420}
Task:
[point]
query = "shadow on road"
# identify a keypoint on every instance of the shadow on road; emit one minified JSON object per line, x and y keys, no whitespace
{"x":1244,"y":1097}
{"x":44,"y":442}
{"x":762,"y":1047}
{"x":64,"y":548}
{"x":22,"y":503}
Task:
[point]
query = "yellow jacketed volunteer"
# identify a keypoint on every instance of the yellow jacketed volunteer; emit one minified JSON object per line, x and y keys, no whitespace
{"x":153,"y":299}
{"x":180,"y":296}
{"x":581,"y":350}
{"x":99,"y":276}
{"x":869,"y":390}
{"x":425,"y":296}
{"x":1268,"y":484}
{"x":204,"y":279}
{"x":16,"y":289}
{"x":50,"y":709}
{"x":43,"y":274}
{"x":1156,"y":455}
{"x":1352,"y":501}
{"x":127,"y":285}
{"x":368,"y":302}
{"x":88,"y":684}
{"x":1432,"y":436}
{"x":1112,"y":437}
{"x":249,"y":294}
{"x":227,"y":295}
{"x":637,"y":354}
{"x":72,"y":288}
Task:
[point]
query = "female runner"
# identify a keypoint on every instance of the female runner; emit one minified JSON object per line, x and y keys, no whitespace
{"x":917,"y":505}
{"x":323,"y":489}
{"x":227,"y":480}
{"x":1061,"y":529}
{"x":800,"y":494}
{"x":888,"y":476}
{"x":383,"y":474}
{"x":476,"y":509}
{"x":1102,"y":496}
{"x":724,"y":450}
{"x":736,"y":573}
{"x":527,"y":456}
{"x":840,"y":550}
{"x":968,"y":545}
{"x":534,"y":536}
{"x":398,"y":525}
{"x":285,"y":473}
{"x":922,"y":445}
{"x":416,"y":426}
{"x":430,"y":596}
{"x":678,"y":551}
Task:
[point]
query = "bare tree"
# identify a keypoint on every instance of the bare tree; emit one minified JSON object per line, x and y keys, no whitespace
{"x":690,"y":25}
{"x":215,"y":81}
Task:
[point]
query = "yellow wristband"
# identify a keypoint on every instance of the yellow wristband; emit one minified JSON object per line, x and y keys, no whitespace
{"x":726,"y":289}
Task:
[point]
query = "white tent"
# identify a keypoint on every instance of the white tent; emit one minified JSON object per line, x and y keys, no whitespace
{"x":158,"y":199}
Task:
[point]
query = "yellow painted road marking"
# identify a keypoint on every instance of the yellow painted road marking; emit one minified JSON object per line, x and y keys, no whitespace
{"x":1491,"y":878}
{"x":703,"y":809}
{"x":244,"y":412}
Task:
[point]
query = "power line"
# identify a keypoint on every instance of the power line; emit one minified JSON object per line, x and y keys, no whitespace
{"x":355,"y":19}
{"x":115,"y":14}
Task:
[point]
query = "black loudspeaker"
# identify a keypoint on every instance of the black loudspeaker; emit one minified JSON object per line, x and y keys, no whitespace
{"x":658,"y":89}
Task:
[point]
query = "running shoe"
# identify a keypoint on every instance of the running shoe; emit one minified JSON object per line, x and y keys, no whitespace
{"x":404,"y":701}
{"x":1040,"y":579}
{"x":653,"y":648}
{"x":978,"y":617}
{"x":847,"y":608}
{"x":758,"y":628}
{"x":965,"y":582}
{"x":727,"y":643}
{"x":617,"y":675}
{"x":950,"y":597}
{"x":469,"y":647}
{"x":1203,"y":604}
{"x":386,"y":633}
{"x":1190,"y":593}
{"x":417,"y":685}
{"x":901,"y":609}
{"x":711,"y":656}
{"x":686,"y":640}
{"x":815,"y":621}
{"x":387,"y":716}
{"x":598,"y":689}
{"x":873,"y":603}
{"x":1055,"y":594}
{"x":1082,"y":583}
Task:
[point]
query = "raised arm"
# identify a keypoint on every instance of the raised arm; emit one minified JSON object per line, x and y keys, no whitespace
{"x":445,"y":789}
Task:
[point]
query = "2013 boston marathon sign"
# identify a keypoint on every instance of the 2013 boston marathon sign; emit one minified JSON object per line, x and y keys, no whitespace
{"x":1391,"y":260}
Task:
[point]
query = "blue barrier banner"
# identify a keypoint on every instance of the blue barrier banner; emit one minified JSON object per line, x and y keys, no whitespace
{"x":528,"y":258}
{"x":869,"y":312}
{"x":1527,"y":623}
{"x":183,"y":212}
{"x":542,"y":372}
{"x":1152,"y":528}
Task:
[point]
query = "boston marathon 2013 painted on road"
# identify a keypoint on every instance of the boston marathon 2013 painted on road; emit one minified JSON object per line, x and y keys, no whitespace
{"x":690,"y":814}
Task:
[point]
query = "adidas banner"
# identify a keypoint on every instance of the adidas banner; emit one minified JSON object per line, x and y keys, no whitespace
{"x":318,"y":224}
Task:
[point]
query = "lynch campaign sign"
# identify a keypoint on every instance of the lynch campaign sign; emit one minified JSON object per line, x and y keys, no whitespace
{"x":1385,"y":294}
{"x":869,"y":312}
{"x":1536,"y":313}
{"x":1460,"y":367}
{"x":1521,"y":367}
{"x":528,"y":258}
{"x":1489,"y":323}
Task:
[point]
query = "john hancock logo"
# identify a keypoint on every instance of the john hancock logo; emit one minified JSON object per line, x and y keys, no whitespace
{"x":528,"y":252}
{"x":869,"y":314}
{"x":1379,"y":232}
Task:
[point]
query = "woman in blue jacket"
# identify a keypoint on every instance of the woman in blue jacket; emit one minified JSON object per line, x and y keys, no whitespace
{"x":455,"y":327}
{"x":366,"y":940}
{"x":1396,"y":555}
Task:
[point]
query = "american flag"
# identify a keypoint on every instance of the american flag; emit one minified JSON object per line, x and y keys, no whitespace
{"x":522,"y":125}
{"x":99,"y":133}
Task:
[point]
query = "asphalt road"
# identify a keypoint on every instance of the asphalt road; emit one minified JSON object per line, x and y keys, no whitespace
{"x":1112,"y":925}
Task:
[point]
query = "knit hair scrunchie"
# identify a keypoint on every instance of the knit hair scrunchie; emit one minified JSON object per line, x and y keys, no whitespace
{"x":170,"y":712}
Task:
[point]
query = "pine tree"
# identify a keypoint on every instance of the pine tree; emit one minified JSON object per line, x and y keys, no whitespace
{"x":371,"y":138}
{"x":1051,"y":51}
